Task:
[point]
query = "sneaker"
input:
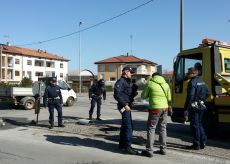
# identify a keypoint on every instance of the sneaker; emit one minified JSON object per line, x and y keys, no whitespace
{"x":147,"y":153}
{"x":51,"y":127}
{"x":193,"y":147}
{"x":129,"y":150}
{"x":99,"y":119}
{"x":162,"y":151}
{"x":61,"y":125}
{"x":202,"y":146}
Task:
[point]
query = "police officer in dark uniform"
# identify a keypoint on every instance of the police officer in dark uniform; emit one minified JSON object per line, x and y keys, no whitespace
{"x":124,"y":93}
{"x":96,"y":91}
{"x":197,"y":93}
{"x":53,"y":99}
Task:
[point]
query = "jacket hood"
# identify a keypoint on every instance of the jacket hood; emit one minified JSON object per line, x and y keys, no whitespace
{"x":158,"y":79}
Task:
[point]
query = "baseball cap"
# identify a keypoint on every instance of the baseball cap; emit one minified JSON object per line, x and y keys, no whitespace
{"x":128,"y":69}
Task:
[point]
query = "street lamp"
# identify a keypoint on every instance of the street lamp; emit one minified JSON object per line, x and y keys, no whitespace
{"x":80,"y":23}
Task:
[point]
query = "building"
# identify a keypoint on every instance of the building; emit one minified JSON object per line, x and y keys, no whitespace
{"x":17,"y":63}
{"x":110,"y":69}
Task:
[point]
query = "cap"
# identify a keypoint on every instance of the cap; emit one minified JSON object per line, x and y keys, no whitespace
{"x":53,"y":79}
{"x":128,"y":69}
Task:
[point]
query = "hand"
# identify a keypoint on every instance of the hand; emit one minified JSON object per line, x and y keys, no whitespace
{"x":127,"y":108}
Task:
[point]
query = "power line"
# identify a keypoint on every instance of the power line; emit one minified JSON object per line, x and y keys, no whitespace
{"x":97,"y":24}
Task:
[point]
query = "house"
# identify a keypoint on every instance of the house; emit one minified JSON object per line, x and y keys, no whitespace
{"x":110,"y":69}
{"x":17,"y":63}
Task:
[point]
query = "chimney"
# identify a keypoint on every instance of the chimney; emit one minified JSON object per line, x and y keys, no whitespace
{"x":127,"y":54}
{"x":8,"y":43}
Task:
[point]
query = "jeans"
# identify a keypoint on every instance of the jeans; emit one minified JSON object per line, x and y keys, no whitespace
{"x":156,"y":117}
{"x":95,"y":100}
{"x":58,"y":106}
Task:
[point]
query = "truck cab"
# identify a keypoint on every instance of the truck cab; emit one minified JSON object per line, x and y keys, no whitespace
{"x":214,"y":60}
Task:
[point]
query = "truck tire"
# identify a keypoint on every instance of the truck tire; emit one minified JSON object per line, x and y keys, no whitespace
{"x":29,"y":104}
{"x":70,"y":101}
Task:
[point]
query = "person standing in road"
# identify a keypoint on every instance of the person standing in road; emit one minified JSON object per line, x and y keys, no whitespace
{"x":158,"y":93}
{"x":124,"y":93}
{"x":96,"y":91}
{"x":53,"y":99}
{"x":197,"y":93}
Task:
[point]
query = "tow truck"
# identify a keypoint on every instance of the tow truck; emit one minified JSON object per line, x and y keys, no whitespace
{"x":214,"y":57}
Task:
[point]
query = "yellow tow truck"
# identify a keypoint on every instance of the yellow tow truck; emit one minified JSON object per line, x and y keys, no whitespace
{"x":214,"y":59}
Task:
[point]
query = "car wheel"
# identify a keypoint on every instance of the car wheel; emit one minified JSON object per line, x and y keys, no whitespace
{"x":70,"y":101}
{"x":29,"y":104}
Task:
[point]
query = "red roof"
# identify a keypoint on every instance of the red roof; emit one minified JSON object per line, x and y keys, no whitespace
{"x":30,"y":52}
{"x":124,"y":59}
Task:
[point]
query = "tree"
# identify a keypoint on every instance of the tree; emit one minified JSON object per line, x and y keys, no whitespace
{"x":26,"y":82}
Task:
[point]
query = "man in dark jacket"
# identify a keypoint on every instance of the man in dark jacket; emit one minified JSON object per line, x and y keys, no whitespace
{"x":124,"y":93}
{"x":96,"y":91}
{"x":197,"y":93}
{"x":53,"y":99}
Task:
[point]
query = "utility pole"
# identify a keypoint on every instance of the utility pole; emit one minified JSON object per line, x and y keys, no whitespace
{"x":181,"y":25}
{"x":80,"y":23}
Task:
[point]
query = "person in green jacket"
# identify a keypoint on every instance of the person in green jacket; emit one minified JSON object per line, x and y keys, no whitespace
{"x":158,"y":93}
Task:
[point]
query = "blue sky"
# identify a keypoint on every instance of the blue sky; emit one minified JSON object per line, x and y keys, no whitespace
{"x":154,"y":27}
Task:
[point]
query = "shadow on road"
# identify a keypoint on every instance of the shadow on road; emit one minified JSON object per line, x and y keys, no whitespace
{"x":87,"y":142}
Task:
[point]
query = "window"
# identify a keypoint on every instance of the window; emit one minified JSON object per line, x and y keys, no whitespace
{"x":62,"y":85}
{"x":29,"y":62}
{"x":61,"y":75}
{"x":101,"y":68}
{"x":17,"y":61}
{"x":17,"y":73}
{"x":111,"y":68}
{"x":61,"y":65}
{"x":112,"y":79}
{"x":227,"y":65}
{"x":39,"y":63}
{"x":38,"y":73}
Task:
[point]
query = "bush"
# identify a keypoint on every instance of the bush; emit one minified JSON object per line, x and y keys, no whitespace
{"x":7,"y":85}
{"x":26,"y":82}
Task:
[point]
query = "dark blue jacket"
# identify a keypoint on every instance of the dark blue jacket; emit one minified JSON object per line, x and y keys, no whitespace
{"x":97,"y":90}
{"x":197,"y":90}
{"x":124,"y":92}
{"x":52,"y":91}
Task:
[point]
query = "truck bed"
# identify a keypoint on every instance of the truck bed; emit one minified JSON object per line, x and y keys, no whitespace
{"x":15,"y":91}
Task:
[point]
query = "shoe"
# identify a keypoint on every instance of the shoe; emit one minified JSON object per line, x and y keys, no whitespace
{"x":202,"y":146}
{"x":129,"y":150}
{"x":99,"y":119}
{"x":62,"y":125}
{"x":193,"y":147}
{"x":162,"y":151}
{"x":51,"y":127}
{"x":147,"y":153}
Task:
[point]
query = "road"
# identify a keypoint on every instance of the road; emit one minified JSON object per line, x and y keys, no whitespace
{"x":22,"y":143}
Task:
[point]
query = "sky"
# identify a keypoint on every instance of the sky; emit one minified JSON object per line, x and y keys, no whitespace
{"x":150,"y":32}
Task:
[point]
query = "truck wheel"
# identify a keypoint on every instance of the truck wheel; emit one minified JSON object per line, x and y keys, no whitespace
{"x":29,"y":104}
{"x":70,"y":101}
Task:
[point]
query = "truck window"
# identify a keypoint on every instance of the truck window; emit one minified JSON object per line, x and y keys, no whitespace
{"x":62,"y":85}
{"x":227,"y":65}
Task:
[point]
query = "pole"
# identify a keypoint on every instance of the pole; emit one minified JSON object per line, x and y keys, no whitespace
{"x":80,"y":23}
{"x":181,"y":25}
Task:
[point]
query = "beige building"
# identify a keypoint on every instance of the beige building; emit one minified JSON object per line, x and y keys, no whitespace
{"x":110,"y":69}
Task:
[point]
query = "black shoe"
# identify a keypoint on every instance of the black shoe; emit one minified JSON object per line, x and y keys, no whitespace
{"x":162,"y":151}
{"x":90,"y":117}
{"x":147,"y":153}
{"x":61,"y":125}
{"x":51,"y":127}
{"x":129,"y":150}
{"x":202,"y":146}
{"x":99,"y":119}
{"x":193,"y":147}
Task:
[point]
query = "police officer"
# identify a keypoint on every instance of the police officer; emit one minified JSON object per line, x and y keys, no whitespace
{"x":124,"y":93}
{"x":53,"y":99}
{"x":197,"y":93}
{"x":96,"y":91}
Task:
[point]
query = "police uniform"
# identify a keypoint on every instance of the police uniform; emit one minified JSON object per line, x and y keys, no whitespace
{"x":124,"y":92}
{"x":197,"y":93}
{"x":53,"y":99}
{"x":96,"y":91}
